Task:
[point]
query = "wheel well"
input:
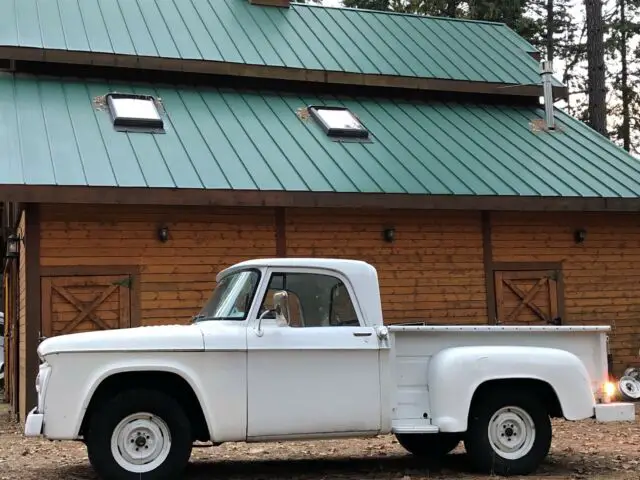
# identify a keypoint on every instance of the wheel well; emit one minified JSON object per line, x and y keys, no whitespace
{"x":537,"y":388}
{"x":169,"y":383}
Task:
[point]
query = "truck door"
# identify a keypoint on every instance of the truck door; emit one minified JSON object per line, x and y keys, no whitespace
{"x":318,"y":375}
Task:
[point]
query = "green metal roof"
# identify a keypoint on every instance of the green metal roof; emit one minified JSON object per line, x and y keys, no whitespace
{"x":52,"y":134}
{"x":300,"y":37}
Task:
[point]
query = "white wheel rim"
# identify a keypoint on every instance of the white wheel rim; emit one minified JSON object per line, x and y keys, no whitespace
{"x":141,"y":442}
{"x":511,"y":432}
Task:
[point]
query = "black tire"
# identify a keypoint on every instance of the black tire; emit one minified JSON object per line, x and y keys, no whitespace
{"x":478,"y":444}
{"x":106,"y":417}
{"x":429,"y":445}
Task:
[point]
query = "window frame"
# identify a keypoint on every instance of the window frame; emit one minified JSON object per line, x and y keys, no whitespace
{"x":248,"y":314}
{"x":135,"y":124}
{"x":264,"y":288}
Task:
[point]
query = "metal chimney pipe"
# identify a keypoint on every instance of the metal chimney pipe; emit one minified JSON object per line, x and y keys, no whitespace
{"x":546,"y":71}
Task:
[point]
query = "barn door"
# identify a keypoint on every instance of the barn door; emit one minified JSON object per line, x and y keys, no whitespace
{"x":84,"y":303}
{"x":527,"y":297}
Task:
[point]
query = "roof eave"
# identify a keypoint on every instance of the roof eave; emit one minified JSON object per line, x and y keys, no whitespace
{"x":254,"y":198}
{"x":72,"y":57}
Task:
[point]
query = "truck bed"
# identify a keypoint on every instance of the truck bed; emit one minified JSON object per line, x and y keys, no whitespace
{"x":412,"y":347}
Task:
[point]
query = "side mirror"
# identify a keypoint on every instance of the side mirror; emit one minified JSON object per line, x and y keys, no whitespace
{"x":281,"y":307}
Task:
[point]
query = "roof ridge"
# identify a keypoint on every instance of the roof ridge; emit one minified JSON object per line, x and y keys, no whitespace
{"x":368,"y":10}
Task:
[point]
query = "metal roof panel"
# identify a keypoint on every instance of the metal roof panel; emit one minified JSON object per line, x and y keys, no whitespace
{"x":56,"y":132}
{"x":303,"y":36}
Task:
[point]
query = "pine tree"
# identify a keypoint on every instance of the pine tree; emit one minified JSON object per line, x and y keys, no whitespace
{"x":625,"y":102}
{"x":596,"y":67}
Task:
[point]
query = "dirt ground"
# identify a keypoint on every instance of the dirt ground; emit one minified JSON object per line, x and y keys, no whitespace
{"x":580,"y":450}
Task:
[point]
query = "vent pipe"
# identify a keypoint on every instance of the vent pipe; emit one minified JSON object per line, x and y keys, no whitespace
{"x":546,"y":71}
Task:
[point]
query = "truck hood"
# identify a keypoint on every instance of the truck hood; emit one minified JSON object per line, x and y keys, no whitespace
{"x":155,"y":338}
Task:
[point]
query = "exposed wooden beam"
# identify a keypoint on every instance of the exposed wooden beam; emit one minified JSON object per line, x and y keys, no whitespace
{"x":487,"y":259}
{"x":33,"y":319}
{"x":139,"y":62}
{"x":281,"y":232}
{"x":271,"y":3}
{"x":261,"y":198}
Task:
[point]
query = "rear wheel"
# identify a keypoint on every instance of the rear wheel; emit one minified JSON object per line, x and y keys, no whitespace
{"x":509,"y":433}
{"x":429,"y":445}
{"x":139,"y":434}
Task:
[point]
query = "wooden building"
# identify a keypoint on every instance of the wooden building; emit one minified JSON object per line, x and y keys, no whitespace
{"x":473,"y":209}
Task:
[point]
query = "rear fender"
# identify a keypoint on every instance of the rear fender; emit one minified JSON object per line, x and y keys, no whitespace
{"x":456,"y":373}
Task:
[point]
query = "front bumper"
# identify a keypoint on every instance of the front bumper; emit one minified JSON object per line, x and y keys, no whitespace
{"x":615,"y":412}
{"x":33,"y":425}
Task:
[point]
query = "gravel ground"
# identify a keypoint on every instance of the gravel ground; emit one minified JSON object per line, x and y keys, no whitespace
{"x":580,"y":450}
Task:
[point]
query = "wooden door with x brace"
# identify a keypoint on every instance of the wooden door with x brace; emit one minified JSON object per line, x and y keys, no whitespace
{"x":530,"y":297}
{"x":84,"y":303}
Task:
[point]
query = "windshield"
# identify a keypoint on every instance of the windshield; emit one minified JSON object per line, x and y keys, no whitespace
{"x":231,"y":298}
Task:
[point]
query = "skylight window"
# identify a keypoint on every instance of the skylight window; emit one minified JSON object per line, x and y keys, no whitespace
{"x":339,"y":122}
{"x":132,"y":112}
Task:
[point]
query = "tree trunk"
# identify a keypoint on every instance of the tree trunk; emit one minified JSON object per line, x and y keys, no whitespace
{"x":550,"y":30}
{"x":452,"y":8}
{"x":595,"y":58}
{"x":626,"y":93}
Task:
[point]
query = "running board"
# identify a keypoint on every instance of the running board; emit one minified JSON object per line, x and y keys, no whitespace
{"x":413,"y":426}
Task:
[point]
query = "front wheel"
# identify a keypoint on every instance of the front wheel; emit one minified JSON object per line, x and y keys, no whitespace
{"x":509,"y":433}
{"x":139,"y":434}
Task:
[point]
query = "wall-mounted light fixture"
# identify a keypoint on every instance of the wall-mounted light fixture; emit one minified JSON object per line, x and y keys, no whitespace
{"x":389,"y":234}
{"x":13,"y":246}
{"x":163,"y":234}
{"x":579,"y":235}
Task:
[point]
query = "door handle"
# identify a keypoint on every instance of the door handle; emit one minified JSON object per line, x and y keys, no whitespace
{"x":361,"y":334}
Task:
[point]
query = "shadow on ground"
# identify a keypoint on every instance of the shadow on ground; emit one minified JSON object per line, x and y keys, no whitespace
{"x":390,"y":467}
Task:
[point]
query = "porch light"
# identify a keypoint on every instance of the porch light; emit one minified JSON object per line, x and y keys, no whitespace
{"x":163,"y":234}
{"x":389,"y":234}
{"x":338,"y":122}
{"x":137,"y":111}
{"x":13,"y":246}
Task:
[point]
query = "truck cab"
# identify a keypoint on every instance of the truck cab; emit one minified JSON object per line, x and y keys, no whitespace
{"x":294,"y":349}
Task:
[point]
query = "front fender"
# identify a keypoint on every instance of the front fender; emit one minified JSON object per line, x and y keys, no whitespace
{"x":125,"y":366}
{"x":456,"y":373}
{"x":68,"y":395}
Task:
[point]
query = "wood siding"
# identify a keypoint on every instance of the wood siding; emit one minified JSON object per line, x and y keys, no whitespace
{"x":601,"y":276}
{"x":432,"y":272}
{"x":177,"y":276}
{"x":22,"y":319}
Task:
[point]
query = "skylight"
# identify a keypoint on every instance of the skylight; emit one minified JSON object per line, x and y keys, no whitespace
{"x":134,"y":112}
{"x":339,"y":122}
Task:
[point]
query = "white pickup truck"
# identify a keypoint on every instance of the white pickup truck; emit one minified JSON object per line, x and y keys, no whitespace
{"x":290,"y":349}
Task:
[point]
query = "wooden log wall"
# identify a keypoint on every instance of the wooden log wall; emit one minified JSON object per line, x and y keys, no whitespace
{"x":176,"y":277}
{"x":601,"y":275}
{"x":432,"y":272}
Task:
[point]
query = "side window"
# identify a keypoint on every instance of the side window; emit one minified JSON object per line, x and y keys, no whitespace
{"x":315,"y":300}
